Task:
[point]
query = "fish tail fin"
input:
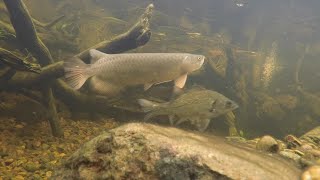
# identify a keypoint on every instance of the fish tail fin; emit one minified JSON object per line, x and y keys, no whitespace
{"x":147,"y":105}
{"x":76,"y":72}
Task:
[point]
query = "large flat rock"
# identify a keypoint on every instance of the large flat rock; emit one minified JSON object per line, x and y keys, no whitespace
{"x":146,"y":151}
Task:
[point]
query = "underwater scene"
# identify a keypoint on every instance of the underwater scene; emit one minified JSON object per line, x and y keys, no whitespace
{"x":160,"y":89}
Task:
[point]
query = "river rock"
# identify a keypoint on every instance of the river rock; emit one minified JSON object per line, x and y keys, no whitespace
{"x":312,"y":136}
{"x":268,"y":144}
{"x":146,"y":151}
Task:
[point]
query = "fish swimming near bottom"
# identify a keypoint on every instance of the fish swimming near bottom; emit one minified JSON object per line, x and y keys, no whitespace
{"x":195,"y":106}
{"x":111,"y":73}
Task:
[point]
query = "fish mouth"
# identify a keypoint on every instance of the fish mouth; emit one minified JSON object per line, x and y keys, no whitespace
{"x":234,"y":106}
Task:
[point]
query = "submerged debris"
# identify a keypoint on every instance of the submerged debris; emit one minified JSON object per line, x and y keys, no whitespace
{"x":17,"y":62}
{"x":292,"y":141}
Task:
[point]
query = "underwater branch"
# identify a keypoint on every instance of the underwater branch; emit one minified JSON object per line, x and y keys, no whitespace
{"x":27,"y":36}
{"x":138,"y":35}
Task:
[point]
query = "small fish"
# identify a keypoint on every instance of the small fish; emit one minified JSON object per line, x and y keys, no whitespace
{"x":241,"y":3}
{"x":111,"y":73}
{"x":161,"y":34}
{"x":195,"y":106}
{"x":194,"y":34}
{"x":188,"y":10}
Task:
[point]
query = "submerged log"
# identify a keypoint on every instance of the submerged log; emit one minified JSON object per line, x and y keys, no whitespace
{"x":137,"y":36}
{"x":27,"y":36}
{"x":52,"y":112}
{"x":50,"y":38}
{"x":26,"y":32}
{"x":17,"y":62}
{"x":5,"y":75}
{"x":47,"y":74}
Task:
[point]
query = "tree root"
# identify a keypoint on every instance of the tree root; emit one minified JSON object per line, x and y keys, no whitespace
{"x":137,"y":36}
{"x":47,"y":74}
{"x":17,"y":62}
{"x":26,"y":34}
{"x":49,"y":24}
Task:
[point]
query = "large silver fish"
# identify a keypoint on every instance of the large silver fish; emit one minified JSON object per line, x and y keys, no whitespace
{"x":195,"y":106}
{"x":112,"y":72}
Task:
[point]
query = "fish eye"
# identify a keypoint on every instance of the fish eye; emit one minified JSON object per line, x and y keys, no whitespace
{"x":228,"y":104}
{"x":199,"y":58}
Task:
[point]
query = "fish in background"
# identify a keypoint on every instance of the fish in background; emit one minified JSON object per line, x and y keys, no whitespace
{"x":241,"y":3}
{"x":196,"y":106}
{"x":111,"y":73}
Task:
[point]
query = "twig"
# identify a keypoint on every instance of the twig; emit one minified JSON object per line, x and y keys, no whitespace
{"x":17,"y":62}
{"x":49,"y":24}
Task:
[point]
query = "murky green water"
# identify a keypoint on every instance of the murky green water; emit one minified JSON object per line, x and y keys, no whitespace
{"x":261,"y":54}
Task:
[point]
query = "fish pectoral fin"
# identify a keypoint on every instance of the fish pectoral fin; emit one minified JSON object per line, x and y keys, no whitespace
{"x":176,"y":92}
{"x":202,"y":124}
{"x":181,"y":120}
{"x":171,"y":119}
{"x":181,"y":81}
{"x":96,"y":55}
{"x":147,"y":86}
{"x":147,"y":105}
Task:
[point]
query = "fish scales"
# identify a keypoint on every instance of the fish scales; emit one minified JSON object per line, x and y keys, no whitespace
{"x":195,"y":106}
{"x":123,"y":68}
{"x":113,"y":72}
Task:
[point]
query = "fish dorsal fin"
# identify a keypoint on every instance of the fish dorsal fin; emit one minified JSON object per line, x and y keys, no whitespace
{"x":181,"y":81}
{"x":95,"y":55}
{"x":147,"y":86}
